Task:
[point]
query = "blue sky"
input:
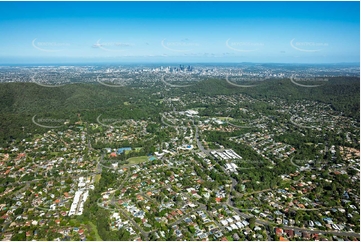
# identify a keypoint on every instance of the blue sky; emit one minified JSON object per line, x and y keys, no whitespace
{"x":274,"y":32}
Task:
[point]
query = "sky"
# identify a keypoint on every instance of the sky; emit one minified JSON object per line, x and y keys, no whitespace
{"x":182,"y":32}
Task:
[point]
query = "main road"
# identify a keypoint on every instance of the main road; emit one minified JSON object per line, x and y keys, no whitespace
{"x":199,"y":143}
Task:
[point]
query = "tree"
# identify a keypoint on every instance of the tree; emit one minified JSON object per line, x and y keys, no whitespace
{"x":252,"y":222}
{"x":19,"y":236}
{"x":18,"y":211}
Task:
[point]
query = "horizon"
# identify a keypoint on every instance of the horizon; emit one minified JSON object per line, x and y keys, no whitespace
{"x":173,"y":63}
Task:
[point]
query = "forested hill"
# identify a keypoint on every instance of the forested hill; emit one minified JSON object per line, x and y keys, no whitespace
{"x":32,"y":98}
{"x":21,"y":101}
{"x":343,"y":93}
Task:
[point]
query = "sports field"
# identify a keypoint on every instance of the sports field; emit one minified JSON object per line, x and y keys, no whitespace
{"x":137,"y":160}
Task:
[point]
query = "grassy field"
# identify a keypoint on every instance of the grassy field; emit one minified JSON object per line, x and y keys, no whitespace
{"x":97,"y":178}
{"x":221,"y":118}
{"x":225,"y":118}
{"x":137,"y":160}
{"x":95,"y":230}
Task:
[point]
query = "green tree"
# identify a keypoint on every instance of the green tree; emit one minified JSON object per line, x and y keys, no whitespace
{"x":252,"y":222}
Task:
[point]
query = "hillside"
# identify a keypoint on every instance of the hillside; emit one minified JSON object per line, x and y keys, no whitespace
{"x":21,"y":101}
